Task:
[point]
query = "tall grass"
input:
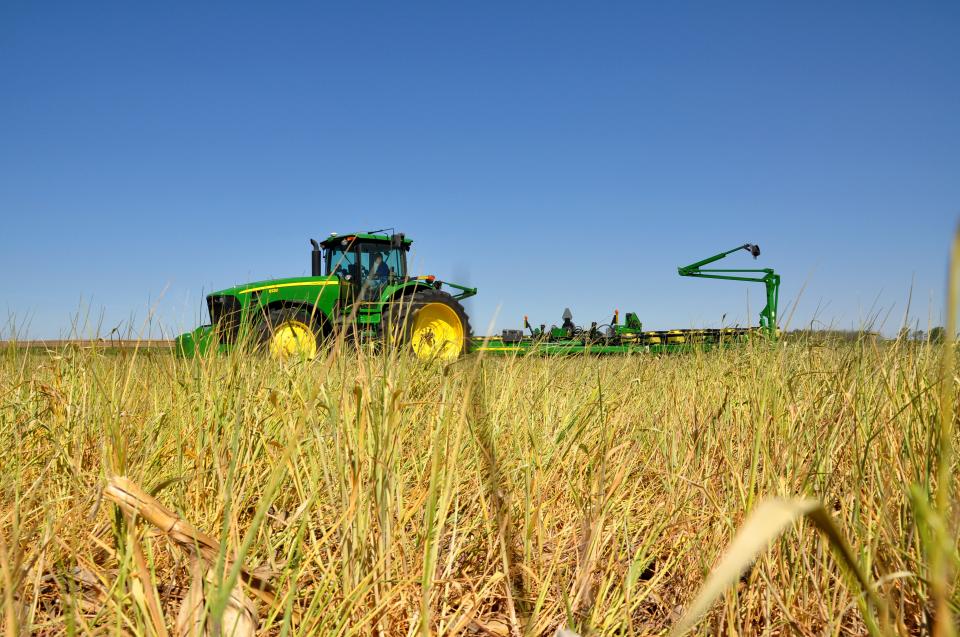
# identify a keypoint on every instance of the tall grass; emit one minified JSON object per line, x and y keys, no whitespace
{"x":368,"y":493}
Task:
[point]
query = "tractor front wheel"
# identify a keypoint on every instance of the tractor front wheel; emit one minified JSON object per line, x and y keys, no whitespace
{"x":290,"y":333}
{"x":432,"y":323}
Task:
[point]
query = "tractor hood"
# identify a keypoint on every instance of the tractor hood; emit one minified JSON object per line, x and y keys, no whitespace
{"x":271,"y":285}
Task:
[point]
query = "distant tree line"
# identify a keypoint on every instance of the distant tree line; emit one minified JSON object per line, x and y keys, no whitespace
{"x":832,"y":335}
{"x":935,"y":335}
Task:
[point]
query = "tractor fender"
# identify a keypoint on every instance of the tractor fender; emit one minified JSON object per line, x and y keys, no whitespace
{"x":404,"y":289}
{"x":259,"y":311}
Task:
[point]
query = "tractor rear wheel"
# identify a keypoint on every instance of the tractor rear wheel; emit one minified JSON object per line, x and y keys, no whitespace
{"x":288,"y":333}
{"x":432,"y":324}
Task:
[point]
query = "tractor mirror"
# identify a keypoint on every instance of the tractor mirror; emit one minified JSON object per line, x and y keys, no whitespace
{"x":754,"y":250}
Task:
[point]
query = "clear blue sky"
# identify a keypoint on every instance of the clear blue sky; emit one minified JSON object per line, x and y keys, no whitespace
{"x":552,"y":154}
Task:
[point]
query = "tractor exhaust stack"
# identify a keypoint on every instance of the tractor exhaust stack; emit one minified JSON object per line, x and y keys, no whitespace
{"x":316,"y":259}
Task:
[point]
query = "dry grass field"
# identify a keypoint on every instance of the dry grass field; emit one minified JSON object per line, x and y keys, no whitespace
{"x":364,"y":493}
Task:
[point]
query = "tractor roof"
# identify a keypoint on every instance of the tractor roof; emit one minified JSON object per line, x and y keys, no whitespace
{"x":363,"y":236}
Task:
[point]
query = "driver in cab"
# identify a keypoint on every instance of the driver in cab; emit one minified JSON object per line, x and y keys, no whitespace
{"x":379,"y":270}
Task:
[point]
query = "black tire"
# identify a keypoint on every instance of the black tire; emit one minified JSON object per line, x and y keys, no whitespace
{"x":276,"y":317}
{"x":402,"y":315}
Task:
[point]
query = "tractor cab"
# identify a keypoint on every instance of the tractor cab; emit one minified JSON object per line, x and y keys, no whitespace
{"x":366,"y":260}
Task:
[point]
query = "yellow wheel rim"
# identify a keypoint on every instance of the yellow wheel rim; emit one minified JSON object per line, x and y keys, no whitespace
{"x":293,"y":339}
{"x":437,"y":332}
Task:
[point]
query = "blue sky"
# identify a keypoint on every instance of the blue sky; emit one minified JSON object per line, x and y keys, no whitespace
{"x":551,"y":154}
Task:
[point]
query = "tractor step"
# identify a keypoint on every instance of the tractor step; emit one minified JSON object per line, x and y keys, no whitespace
{"x":362,"y":318}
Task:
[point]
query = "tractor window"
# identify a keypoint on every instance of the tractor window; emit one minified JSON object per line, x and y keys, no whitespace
{"x":342,"y":262}
{"x":380,"y":261}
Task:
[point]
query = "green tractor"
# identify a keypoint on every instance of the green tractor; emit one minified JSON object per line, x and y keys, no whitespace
{"x":359,"y":287}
